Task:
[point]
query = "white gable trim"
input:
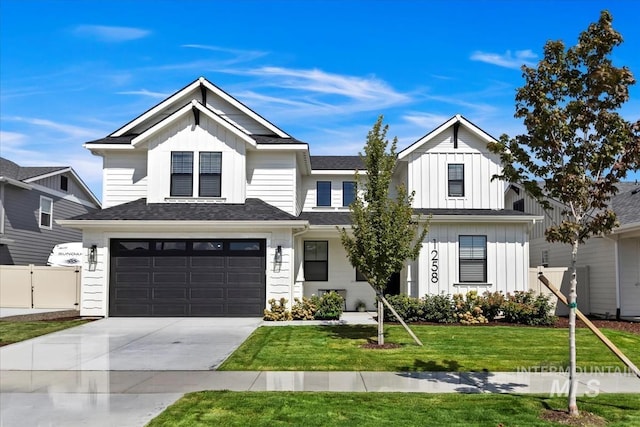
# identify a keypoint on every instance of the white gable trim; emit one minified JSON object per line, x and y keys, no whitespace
{"x":446,"y":125}
{"x":187,"y":109}
{"x":240,"y":106}
{"x":94,"y":202}
{"x":47,"y":175}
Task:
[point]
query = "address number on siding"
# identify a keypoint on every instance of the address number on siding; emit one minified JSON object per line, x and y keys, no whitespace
{"x":434,"y":263}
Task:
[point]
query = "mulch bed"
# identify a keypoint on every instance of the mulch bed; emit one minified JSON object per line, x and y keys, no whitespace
{"x":584,"y":419}
{"x":619,"y":325}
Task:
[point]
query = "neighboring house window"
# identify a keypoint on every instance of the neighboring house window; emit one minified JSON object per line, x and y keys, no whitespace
{"x":473,"y":259}
{"x":360,"y":277}
{"x":545,"y":258}
{"x":323,"y":193}
{"x":348,"y":192}
{"x":210,"y":183}
{"x":518,"y":205}
{"x":64,"y":183}
{"x":46,"y":212}
{"x":456,"y":180}
{"x":316,"y":265}
{"x":181,"y":174}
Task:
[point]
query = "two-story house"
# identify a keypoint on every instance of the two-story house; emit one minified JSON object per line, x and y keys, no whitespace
{"x":32,"y":199}
{"x":211,"y":210}
{"x":609,"y":274}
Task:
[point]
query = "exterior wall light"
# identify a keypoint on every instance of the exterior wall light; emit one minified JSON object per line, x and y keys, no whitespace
{"x":278,"y":257}
{"x":93,"y":254}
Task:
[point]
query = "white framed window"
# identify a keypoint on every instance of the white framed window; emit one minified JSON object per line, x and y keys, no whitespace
{"x":316,"y":260}
{"x":181,"y":174}
{"x":348,"y":192}
{"x":455,"y":179}
{"x":323,"y":193}
{"x":46,"y":212}
{"x":209,"y":181}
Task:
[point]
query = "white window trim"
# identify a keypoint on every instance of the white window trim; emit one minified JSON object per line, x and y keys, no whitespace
{"x":40,"y":212}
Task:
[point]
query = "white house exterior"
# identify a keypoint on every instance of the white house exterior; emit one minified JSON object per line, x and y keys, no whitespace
{"x":211,"y":210}
{"x":612,"y":261}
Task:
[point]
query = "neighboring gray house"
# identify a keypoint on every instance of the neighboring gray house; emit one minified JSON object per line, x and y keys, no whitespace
{"x":612,"y":261}
{"x":32,"y":199}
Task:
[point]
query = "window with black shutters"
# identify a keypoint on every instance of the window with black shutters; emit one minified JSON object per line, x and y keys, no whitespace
{"x":456,"y":180}
{"x":316,"y":264}
{"x":473,"y":259}
{"x":181,"y":174}
{"x":210,"y":183}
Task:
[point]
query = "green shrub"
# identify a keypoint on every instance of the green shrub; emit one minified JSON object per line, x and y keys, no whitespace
{"x":491,"y":304}
{"x":468,"y":309}
{"x":303,"y":310}
{"x":330,"y":306}
{"x":528,"y":309}
{"x":438,"y":309}
{"x":278,"y":310}
{"x":409,"y":308}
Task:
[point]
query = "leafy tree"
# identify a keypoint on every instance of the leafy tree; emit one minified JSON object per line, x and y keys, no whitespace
{"x":577,"y":146}
{"x":383,"y":233}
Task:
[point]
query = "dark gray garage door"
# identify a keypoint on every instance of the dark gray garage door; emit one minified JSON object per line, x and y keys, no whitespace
{"x":168,"y":277}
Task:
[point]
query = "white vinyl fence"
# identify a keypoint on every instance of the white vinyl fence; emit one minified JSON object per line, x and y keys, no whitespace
{"x":560,"y":277}
{"x":31,"y":286}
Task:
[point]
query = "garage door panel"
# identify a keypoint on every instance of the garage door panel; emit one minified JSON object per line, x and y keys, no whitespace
{"x":170,"y":294}
{"x":170,"y":262}
{"x":206,"y":293}
{"x":137,"y":279}
{"x":178,"y":278}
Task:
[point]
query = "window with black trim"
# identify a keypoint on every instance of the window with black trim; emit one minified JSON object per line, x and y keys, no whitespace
{"x":316,"y":264}
{"x":323,"y":193}
{"x":348,"y":192}
{"x":181,"y":174}
{"x":456,"y":180}
{"x":64,"y":183}
{"x":360,"y":277}
{"x":210,"y":183}
{"x":473,"y":259}
{"x":518,"y":205}
{"x":45,"y":212}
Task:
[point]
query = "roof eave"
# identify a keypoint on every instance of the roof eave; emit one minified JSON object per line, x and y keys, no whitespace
{"x":16,"y":183}
{"x":175,"y":223}
{"x":524,"y":219}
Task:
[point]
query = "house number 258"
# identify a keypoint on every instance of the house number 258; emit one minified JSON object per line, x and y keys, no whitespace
{"x":434,"y":263}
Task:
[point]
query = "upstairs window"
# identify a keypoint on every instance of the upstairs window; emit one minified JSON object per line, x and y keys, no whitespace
{"x":456,"y":180}
{"x":518,"y":205}
{"x":323,"y":193}
{"x":46,"y":212}
{"x":316,"y":264}
{"x":210,"y":183}
{"x":64,"y":183}
{"x":473,"y":259}
{"x":348,"y":192}
{"x":181,"y":174}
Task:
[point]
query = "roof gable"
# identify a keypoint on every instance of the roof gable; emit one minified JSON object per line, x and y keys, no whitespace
{"x":456,"y":124}
{"x":218,"y":101}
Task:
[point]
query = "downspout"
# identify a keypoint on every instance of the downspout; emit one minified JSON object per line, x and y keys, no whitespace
{"x":617,"y":264}
{"x":295,"y":276}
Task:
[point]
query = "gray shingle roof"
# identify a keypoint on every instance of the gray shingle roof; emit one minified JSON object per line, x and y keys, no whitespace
{"x":12,"y":170}
{"x":471,"y":212}
{"x":327,"y":218}
{"x":337,"y":162}
{"x":125,"y":139}
{"x":140,"y":210}
{"x":626,"y":204}
{"x":269,"y":139}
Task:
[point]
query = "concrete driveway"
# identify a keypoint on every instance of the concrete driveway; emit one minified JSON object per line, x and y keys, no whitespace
{"x":116,"y":371}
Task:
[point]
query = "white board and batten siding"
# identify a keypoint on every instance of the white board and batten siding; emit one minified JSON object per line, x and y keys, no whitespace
{"x":272,"y":178}
{"x":428,"y":173}
{"x":629,"y":253}
{"x":184,"y":135}
{"x":124,"y":177}
{"x":507,"y":256}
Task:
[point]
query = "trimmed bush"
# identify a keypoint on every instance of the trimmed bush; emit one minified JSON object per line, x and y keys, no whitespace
{"x":528,"y":309}
{"x":330,"y":307}
{"x":491,"y":304}
{"x":468,"y":309}
{"x":438,"y":309}
{"x":278,"y":310}
{"x":303,"y":310}
{"x":409,"y":308}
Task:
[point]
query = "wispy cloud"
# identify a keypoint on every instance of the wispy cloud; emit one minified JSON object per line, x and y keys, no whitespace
{"x":109,"y":33}
{"x":145,"y":92}
{"x":238,"y":55}
{"x":426,"y":121}
{"x":507,"y":59}
{"x":67,"y":130}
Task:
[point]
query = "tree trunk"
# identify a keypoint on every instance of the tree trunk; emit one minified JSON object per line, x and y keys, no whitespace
{"x":380,"y":322}
{"x":573,"y":295}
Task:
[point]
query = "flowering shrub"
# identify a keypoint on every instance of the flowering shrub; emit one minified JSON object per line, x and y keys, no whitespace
{"x":468,"y":308}
{"x":278,"y":310}
{"x":528,"y":309}
{"x":305,"y":309}
{"x":491,"y":304}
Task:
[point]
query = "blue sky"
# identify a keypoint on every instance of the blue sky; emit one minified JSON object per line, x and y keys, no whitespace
{"x":73,"y":71}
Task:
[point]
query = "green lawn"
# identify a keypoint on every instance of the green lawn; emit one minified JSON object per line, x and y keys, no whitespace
{"x":11,"y":332}
{"x":446,"y":348}
{"x":225,"y":408}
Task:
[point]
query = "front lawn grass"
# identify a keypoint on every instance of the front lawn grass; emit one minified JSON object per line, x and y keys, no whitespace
{"x":11,"y":331}
{"x":446,"y":348}
{"x":226,"y":408}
